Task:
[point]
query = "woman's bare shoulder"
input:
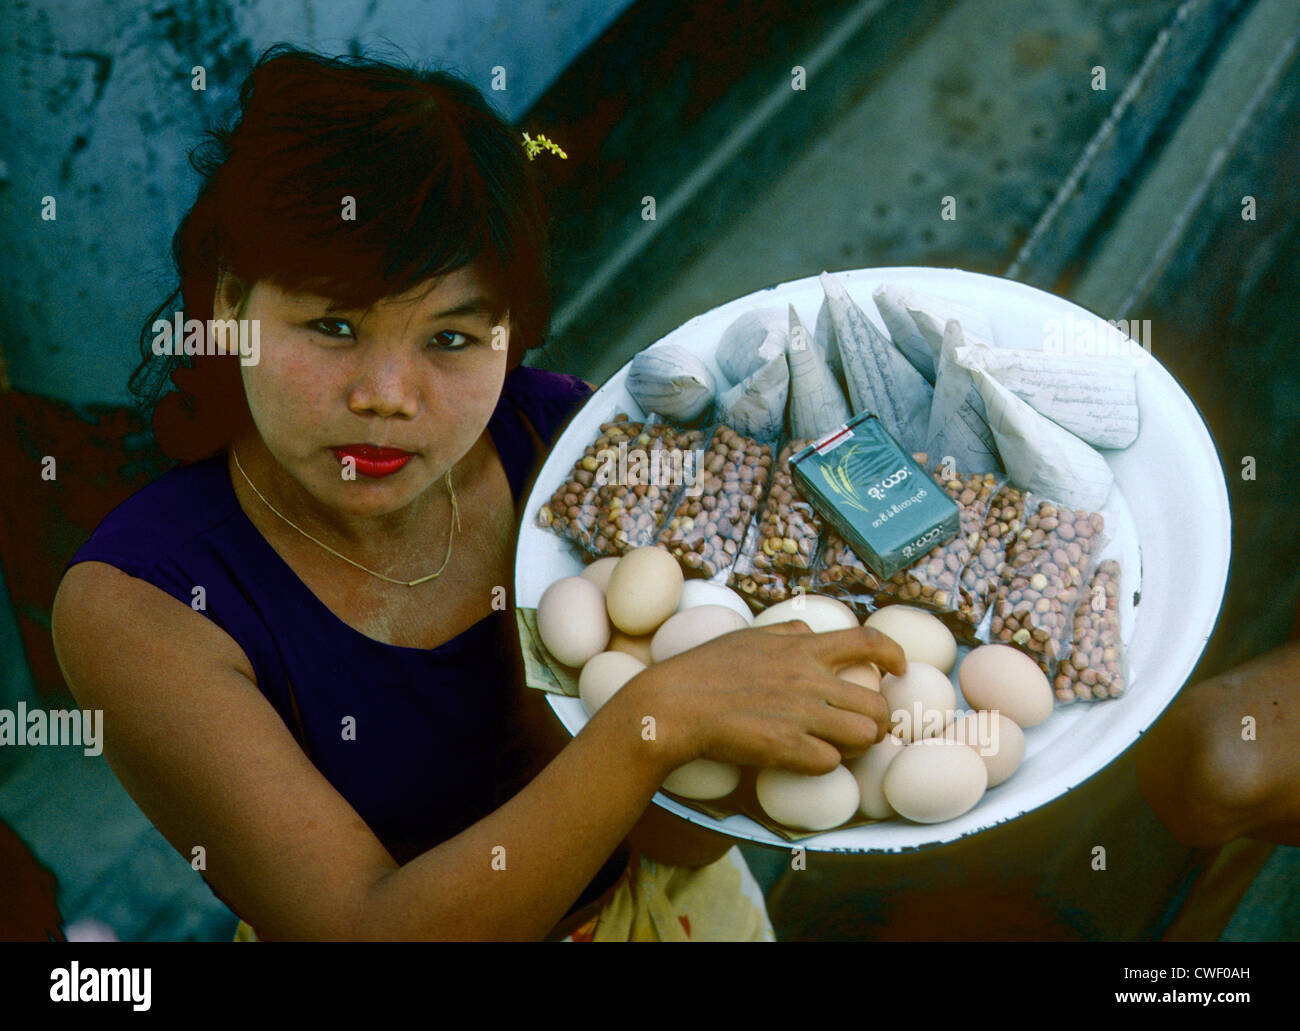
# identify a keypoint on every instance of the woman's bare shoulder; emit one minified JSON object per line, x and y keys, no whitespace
{"x":99,"y":609}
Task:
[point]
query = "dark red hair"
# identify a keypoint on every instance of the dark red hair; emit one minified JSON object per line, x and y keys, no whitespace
{"x":439,"y":179}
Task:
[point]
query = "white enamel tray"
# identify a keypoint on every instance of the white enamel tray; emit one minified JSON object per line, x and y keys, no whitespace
{"x":1172,"y":536}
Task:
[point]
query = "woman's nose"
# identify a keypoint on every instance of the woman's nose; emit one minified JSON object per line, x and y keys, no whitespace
{"x":385,"y":383}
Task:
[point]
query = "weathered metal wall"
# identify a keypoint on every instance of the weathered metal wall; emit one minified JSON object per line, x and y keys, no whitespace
{"x":97,"y":111}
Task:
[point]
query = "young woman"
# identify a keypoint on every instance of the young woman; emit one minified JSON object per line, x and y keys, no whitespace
{"x":292,"y":634}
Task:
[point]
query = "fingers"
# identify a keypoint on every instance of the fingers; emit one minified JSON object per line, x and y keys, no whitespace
{"x":814,"y":757}
{"x":839,"y":648}
{"x":849,"y":732}
{"x":810,"y":724}
{"x":843,"y":713}
{"x":857,"y":716}
{"x":843,"y":716}
{"x":779,"y":703}
{"x":817,"y":752}
{"x":851,"y":697}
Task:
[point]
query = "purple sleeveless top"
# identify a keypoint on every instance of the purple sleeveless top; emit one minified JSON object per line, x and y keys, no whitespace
{"x":424,"y":760}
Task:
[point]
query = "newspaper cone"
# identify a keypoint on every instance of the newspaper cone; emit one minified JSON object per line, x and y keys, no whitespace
{"x":749,"y":343}
{"x":1092,"y":396}
{"x":1039,"y":455}
{"x":957,"y":421}
{"x":879,"y":378}
{"x":916,"y":322}
{"x":671,"y":381}
{"x":817,"y":404}
{"x":824,"y":340}
{"x":756,"y":407}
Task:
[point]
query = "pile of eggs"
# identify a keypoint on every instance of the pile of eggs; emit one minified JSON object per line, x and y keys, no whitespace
{"x":622,"y":614}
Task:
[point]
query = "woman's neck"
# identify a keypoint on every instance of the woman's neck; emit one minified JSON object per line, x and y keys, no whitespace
{"x":381,"y":542}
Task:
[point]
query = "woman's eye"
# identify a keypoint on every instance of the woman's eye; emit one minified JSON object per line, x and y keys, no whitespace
{"x":451,"y":341}
{"x":447,"y":340}
{"x":319,"y":323}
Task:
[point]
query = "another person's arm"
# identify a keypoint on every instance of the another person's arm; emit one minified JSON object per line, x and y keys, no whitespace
{"x":213,"y":766}
{"x":1211,"y":774}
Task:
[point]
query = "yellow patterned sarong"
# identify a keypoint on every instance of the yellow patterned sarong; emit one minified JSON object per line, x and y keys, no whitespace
{"x":655,"y":902}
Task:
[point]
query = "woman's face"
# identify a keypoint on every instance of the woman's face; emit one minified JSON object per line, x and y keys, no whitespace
{"x":421,"y":373}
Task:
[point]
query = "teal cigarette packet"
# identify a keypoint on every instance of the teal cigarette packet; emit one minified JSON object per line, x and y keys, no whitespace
{"x":865,"y":485}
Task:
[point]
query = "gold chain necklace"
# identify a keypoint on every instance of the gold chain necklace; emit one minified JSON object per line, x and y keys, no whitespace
{"x":455,"y":525}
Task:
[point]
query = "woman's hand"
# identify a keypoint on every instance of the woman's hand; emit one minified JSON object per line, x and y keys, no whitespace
{"x":764,"y":696}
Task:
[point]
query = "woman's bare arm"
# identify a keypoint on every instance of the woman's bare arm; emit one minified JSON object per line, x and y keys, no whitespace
{"x":210,"y":762}
{"x":658,"y":834}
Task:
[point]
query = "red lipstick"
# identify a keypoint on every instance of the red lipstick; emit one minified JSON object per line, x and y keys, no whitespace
{"x":373,"y":461}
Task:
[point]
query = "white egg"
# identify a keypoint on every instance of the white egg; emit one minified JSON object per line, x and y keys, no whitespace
{"x":702,"y":592}
{"x":703,"y":779}
{"x":572,"y":620}
{"x":818,"y":611}
{"x":921,"y":635}
{"x":1003,"y":679}
{"x":864,"y":674}
{"x":921,"y":702}
{"x":935,"y":780}
{"x":603,"y":675}
{"x":869,"y":769}
{"x":685,"y":630}
{"x":643,"y":590}
{"x":808,"y":802}
{"x":598,"y":572}
{"x":999,"y":741}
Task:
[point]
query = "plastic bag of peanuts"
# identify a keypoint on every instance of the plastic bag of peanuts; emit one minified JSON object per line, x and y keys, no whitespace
{"x":839,"y":572}
{"x":781,"y":544}
{"x":764,"y":589}
{"x":1048,"y":565}
{"x":1093,"y":667}
{"x":933,"y":582}
{"x":707,"y":526}
{"x":617,"y":495}
{"x":979,"y":578}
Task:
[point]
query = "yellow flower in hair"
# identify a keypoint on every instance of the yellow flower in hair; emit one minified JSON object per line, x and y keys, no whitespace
{"x":533,"y":147}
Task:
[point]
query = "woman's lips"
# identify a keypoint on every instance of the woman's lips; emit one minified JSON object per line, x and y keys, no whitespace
{"x":373,"y":461}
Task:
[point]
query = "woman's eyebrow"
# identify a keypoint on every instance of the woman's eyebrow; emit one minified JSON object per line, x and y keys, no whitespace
{"x":471,"y":306}
{"x":478,"y":305}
